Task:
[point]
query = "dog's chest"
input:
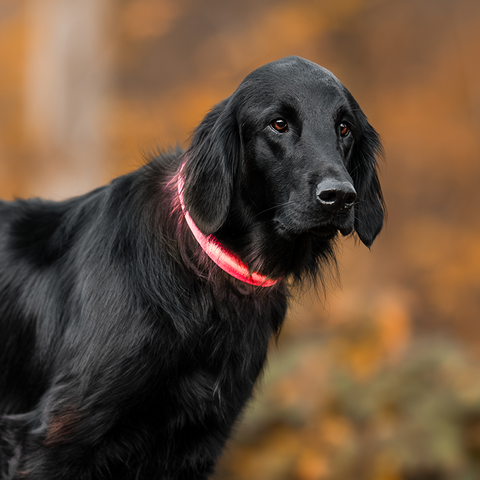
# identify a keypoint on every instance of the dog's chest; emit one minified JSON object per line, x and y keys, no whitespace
{"x":226,"y":358}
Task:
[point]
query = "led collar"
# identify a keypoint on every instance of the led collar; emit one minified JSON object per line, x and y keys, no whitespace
{"x":226,"y":260}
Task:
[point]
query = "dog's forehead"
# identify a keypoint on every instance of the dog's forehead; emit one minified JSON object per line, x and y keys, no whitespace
{"x":290,"y":77}
{"x":294,"y":67}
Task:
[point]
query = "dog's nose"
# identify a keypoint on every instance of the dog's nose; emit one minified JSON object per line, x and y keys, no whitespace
{"x":335,"y":195}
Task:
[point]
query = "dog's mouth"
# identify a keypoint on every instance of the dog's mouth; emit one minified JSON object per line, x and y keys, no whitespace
{"x":327,"y":232}
{"x":324,"y":230}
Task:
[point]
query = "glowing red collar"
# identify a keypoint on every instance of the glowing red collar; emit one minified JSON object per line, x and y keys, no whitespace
{"x":225,"y":259}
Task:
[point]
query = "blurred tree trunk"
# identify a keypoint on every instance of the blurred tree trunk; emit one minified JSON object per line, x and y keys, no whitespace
{"x":68,"y":63}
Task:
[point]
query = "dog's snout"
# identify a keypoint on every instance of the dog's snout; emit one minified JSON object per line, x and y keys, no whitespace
{"x":335,"y":195}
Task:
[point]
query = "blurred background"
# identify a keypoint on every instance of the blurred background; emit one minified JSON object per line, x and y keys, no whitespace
{"x":380,"y":378}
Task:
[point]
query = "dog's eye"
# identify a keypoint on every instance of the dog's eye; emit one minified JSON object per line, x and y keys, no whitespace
{"x":280,"y":125}
{"x":344,"y":129}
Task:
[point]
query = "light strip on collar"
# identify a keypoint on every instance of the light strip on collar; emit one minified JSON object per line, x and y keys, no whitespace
{"x":226,"y":260}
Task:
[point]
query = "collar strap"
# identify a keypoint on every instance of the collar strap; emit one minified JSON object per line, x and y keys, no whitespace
{"x":226,"y":260}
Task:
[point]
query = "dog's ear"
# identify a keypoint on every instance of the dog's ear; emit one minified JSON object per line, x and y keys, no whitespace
{"x":212,"y":160}
{"x":370,"y":206}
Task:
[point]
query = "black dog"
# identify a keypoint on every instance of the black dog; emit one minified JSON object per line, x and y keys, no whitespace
{"x":132,"y":330}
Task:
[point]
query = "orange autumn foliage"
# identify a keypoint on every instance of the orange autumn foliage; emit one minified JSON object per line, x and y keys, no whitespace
{"x":359,"y":385}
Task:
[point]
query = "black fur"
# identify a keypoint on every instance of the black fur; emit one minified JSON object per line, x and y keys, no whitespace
{"x":125,"y":352}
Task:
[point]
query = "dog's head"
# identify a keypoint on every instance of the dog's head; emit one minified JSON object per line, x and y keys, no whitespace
{"x":291,"y":155}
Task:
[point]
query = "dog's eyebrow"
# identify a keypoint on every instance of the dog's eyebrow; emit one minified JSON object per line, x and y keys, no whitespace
{"x":343,"y":110}
{"x":282,"y":108}
{"x":288,"y":102}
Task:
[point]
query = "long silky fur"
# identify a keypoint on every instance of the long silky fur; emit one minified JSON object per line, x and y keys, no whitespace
{"x":126,"y":353}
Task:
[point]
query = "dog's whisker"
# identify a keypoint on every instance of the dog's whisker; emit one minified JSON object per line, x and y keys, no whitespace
{"x":281,"y":205}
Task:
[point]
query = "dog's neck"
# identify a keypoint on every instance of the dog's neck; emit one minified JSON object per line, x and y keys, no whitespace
{"x":225,"y":259}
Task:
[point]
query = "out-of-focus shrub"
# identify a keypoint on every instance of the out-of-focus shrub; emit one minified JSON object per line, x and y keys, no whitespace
{"x":318,"y":416}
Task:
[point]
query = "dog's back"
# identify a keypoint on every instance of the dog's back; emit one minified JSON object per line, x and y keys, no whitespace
{"x":36,"y":238}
